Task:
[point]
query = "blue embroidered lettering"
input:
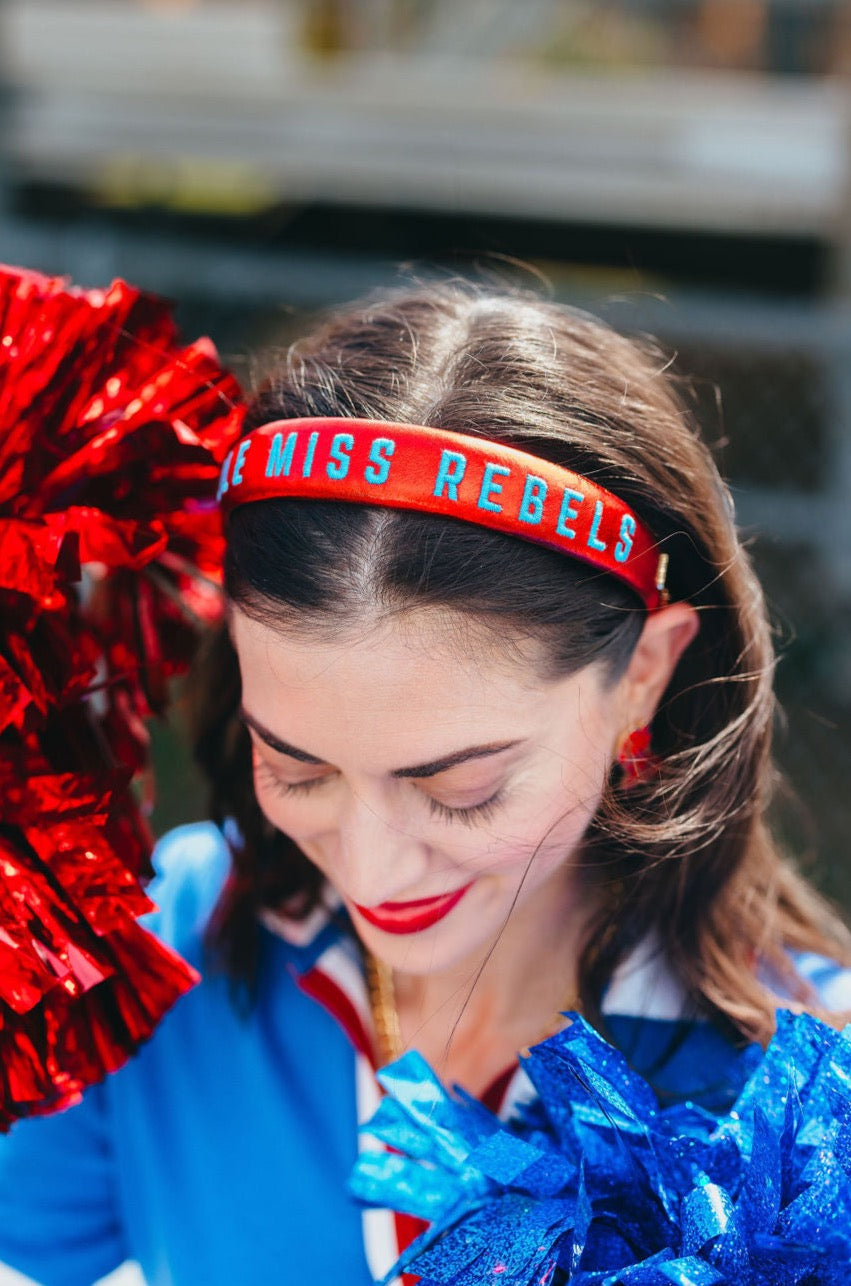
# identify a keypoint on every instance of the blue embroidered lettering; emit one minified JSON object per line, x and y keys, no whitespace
{"x":338,"y":463}
{"x":223,"y":476}
{"x":449,"y":473}
{"x":594,"y":541}
{"x":534,"y":495}
{"x":627,"y":532}
{"x":307,"y":467}
{"x":571,"y":500}
{"x":242,"y":452}
{"x":378,"y":470}
{"x":280,"y":457}
{"x":490,"y":487}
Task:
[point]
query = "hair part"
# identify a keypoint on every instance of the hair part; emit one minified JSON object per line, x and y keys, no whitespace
{"x":685,"y":856}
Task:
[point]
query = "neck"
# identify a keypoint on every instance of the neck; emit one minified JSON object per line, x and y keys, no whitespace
{"x":471,"y":1020}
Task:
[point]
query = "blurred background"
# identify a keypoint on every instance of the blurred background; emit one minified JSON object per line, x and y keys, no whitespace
{"x":681,"y":167}
{"x":678,"y":166}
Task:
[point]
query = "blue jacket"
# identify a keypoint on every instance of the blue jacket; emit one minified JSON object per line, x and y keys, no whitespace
{"x":219,"y":1155}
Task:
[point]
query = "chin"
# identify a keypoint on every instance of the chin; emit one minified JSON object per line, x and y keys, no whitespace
{"x":423,"y":954}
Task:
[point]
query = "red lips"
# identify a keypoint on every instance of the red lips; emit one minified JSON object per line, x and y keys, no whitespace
{"x":410,"y":917}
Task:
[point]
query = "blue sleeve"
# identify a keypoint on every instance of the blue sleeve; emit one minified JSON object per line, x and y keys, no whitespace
{"x":191,"y":864}
{"x":59,"y":1220}
{"x":60,"y":1191}
{"x":831,"y":981}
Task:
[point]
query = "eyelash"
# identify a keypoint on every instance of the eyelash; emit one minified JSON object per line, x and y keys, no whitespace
{"x":467,"y":816}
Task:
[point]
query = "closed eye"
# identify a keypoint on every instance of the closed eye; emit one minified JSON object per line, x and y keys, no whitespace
{"x":273,"y":782}
{"x":467,"y":816}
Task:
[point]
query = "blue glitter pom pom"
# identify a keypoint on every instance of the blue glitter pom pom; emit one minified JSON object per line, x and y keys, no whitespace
{"x":597,"y":1185}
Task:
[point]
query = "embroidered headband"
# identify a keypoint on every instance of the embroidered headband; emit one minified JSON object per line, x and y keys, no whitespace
{"x":407,"y":466}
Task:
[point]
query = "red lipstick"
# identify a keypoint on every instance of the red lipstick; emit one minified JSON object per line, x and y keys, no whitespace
{"x":411,"y":917}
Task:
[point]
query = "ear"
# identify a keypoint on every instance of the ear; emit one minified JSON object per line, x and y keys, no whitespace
{"x":665,"y":636}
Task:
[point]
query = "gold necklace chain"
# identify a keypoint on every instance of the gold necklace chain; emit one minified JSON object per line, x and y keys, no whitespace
{"x":385,"y":1015}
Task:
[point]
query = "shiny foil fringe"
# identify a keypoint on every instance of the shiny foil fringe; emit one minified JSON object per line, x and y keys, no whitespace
{"x":598,"y":1184}
{"x":111,"y":439}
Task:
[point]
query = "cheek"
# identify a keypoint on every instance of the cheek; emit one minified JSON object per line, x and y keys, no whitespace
{"x":287,"y":817}
{"x":270,"y":806}
{"x":545,"y":826}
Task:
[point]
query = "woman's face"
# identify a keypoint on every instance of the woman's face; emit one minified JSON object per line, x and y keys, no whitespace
{"x":436,"y":779}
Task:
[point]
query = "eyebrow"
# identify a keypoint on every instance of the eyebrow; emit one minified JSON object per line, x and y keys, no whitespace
{"x":430,"y":769}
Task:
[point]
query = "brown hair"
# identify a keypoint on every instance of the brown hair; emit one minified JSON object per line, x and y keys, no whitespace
{"x":686,"y":855}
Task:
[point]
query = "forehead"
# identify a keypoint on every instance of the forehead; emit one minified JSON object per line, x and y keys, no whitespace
{"x":426,"y":653}
{"x":405,"y":689}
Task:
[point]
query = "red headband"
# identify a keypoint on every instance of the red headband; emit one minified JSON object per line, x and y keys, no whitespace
{"x":406,"y":466}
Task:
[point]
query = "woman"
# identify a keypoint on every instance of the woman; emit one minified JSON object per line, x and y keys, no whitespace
{"x":488,"y":736}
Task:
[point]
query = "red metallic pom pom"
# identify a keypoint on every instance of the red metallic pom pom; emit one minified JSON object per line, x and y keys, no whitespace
{"x":111,"y":438}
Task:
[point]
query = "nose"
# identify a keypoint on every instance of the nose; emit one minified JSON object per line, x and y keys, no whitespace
{"x":381,"y":858}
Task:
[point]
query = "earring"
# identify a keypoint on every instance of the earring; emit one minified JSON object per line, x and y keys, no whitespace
{"x":635,"y":757}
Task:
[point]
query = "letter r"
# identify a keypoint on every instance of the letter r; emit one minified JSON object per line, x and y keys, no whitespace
{"x":449,"y":473}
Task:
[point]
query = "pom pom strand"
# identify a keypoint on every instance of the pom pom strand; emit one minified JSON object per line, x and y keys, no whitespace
{"x":112,"y":435}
